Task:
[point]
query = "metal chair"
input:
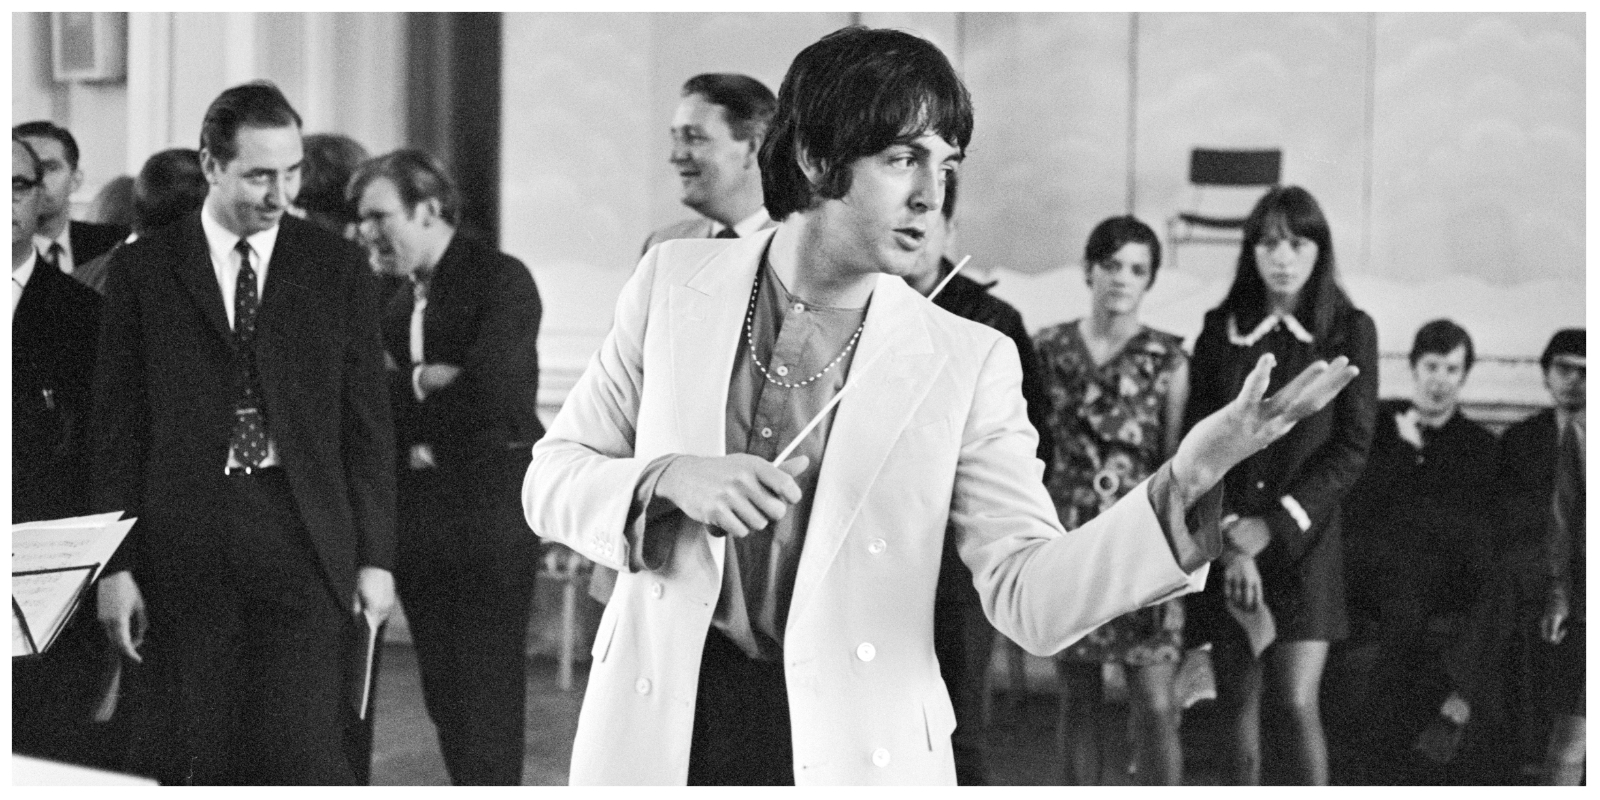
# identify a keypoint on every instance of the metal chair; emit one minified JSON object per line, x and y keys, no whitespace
{"x":1220,"y":168}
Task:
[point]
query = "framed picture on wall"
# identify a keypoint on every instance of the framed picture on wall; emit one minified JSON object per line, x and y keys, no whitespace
{"x":88,"y":46}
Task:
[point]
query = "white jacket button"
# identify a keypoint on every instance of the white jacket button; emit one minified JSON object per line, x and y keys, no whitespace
{"x":642,"y":686}
{"x":866,"y":652}
{"x":877,"y":546}
{"x":880,"y":757}
{"x":656,"y":589}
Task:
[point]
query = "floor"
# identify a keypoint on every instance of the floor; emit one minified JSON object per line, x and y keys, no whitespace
{"x":1021,"y":740}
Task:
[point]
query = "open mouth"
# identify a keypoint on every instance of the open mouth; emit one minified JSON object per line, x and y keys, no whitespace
{"x":911,"y":238}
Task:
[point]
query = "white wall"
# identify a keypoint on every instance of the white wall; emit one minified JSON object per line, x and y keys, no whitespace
{"x":344,"y":73}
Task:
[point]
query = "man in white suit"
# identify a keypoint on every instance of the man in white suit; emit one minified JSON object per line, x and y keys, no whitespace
{"x":774,"y":624}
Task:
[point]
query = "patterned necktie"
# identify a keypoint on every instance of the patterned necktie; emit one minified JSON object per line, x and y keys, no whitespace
{"x":726,"y":233}
{"x":249,"y":442}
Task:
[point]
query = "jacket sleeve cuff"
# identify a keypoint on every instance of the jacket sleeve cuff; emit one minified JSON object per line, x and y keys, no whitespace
{"x":1194,"y":534}
{"x":650,"y":545}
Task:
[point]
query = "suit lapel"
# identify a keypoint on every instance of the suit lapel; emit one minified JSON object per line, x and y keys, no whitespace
{"x":193,"y":266}
{"x":892,"y":374}
{"x":705,"y":320}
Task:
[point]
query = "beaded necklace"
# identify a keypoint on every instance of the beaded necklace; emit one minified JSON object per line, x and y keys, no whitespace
{"x":750,"y":340}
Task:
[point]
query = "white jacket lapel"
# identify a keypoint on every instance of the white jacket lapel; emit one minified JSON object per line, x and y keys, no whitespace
{"x":893,"y":371}
{"x":705,"y":320}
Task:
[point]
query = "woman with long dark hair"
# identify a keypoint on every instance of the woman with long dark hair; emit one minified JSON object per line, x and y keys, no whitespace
{"x":1276,"y":597}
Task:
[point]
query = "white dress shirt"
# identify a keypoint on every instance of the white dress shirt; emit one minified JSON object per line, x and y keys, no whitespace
{"x":19,"y":279}
{"x":42,"y":243}
{"x":225,"y":265}
{"x":745,"y":227}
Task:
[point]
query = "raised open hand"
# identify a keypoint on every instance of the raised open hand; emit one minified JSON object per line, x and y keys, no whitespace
{"x":1252,"y":421}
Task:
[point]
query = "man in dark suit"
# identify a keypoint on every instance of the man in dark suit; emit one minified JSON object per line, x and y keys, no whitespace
{"x":61,"y":240}
{"x":53,"y":326}
{"x":1528,"y":448}
{"x":239,"y":414}
{"x":464,"y":384}
{"x":717,"y":132}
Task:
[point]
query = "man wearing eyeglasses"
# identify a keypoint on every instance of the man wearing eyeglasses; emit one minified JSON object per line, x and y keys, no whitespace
{"x":65,"y":242}
{"x":54,"y":320}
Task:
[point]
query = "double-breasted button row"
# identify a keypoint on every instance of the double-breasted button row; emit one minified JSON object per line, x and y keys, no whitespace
{"x":642,"y":686}
{"x":880,"y":757}
{"x":656,"y":590}
{"x":877,"y":546}
{"x":866,"y":652}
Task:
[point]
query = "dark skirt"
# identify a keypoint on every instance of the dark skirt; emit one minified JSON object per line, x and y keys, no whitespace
{"x":1306,"y":596}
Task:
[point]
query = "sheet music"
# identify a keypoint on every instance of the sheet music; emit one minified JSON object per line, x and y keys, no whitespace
{"x":46,"y":601}
{"x":67,"y":543}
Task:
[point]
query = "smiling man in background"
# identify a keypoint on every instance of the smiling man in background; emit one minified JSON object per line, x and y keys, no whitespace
{"x":240,"y":415}
{"x":717,"y":131}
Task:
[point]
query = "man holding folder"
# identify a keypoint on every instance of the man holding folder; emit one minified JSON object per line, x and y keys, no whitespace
{"x":774,"y":623}
{"x":241,"y":414}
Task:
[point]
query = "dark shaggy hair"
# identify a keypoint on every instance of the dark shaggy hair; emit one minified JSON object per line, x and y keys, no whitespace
{"x":853,"y":93}
{"x":1110,"y":235}
{"x":170,"y":186}
{"x":1441,"y":337}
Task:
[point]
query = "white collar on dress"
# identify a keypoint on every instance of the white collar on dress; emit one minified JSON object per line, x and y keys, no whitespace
{"x":1267,"y":324}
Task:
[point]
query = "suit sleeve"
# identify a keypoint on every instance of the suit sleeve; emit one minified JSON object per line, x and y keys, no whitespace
{"x":580,"y":485}
{"x":120,"y":414}
{"x":1042,"y":587}
{"x":368,"y":427}
{"x":1325,"y":477}
{"x":502,"y":359}
{"x":1033,"y":391}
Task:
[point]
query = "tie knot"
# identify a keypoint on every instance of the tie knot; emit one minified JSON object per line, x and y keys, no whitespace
{"x":726,"y":233}
{"x":243,"y":249}
{"x":56,"y":250}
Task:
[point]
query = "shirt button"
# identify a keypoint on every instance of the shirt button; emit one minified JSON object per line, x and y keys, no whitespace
{"x":866,"y":652}
{"x":656,"y":589}
{"x":877,"y":546}
{"x":798,"y":307}
{"x":766,"y":433}
{"x":782,"y":370}
{"x":880,"y":757}
{"x":642,"y":686}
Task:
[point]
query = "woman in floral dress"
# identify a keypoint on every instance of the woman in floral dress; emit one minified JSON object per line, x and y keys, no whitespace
{"x":1117,"y":390}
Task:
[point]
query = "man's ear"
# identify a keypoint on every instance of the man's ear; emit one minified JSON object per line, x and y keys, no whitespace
{"x":430,"y":210}
{"x":210,"y":166}
{"x":812,"y":168}
{"x":752,"y":155}
{"x":75,"y":182}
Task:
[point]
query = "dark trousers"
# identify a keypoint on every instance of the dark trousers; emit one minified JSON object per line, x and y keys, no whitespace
{"x":248,"y":660}
{"x":465,"y":575}
{"x":741,"y":720}
{"x":963,"y":640}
